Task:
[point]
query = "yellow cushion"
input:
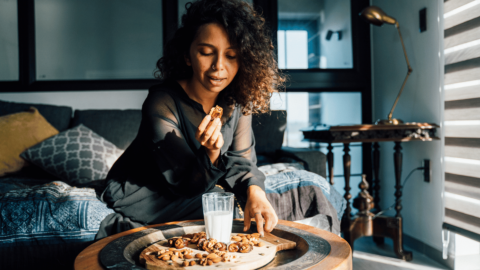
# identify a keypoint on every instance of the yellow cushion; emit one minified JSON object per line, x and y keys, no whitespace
{"x":18,"y":132}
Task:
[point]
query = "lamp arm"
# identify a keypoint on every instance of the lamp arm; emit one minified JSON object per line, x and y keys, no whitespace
{"x":390,"y":115}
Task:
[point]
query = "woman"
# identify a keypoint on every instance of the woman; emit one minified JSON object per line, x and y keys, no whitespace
{"x":221,"y":55}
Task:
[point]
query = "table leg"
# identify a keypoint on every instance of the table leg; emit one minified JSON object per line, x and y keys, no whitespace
{"x":376,"y":169}
{"x":398,"y":237}
{"x":330,"y":163}
{"x":376,"y":187}
{"x":392,"y":227}
{"x":398,"y":158}
{"x":347,"y":220}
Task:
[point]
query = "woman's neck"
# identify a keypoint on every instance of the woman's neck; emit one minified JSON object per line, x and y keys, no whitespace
{"x":198,"y":93}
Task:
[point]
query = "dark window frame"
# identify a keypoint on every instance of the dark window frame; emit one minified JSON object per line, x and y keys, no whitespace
{"x":356,"y":79}
{"x":27,"y":81}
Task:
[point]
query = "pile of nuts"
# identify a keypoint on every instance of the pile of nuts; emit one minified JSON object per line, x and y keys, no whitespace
{"x":245,"y":242}
{"x":216,"y":251}
{"x":174,"y":254}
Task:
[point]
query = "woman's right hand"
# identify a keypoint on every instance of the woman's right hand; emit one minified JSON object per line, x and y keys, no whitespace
{"x":209,"y":136}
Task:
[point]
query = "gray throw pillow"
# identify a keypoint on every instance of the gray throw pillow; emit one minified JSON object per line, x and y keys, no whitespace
{"x":77,"y":155}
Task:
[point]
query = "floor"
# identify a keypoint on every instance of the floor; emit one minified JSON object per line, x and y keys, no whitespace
{"x":368,"y":256}
{"x":467,"y":262}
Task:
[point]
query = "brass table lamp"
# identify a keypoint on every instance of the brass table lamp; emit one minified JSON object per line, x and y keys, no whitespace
{"x":376,"y":16}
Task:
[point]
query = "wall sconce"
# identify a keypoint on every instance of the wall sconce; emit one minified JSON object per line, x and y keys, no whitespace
{"x":330,"y":34}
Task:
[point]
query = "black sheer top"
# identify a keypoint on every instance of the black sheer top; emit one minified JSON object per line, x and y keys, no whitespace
{"x":163,"y":173}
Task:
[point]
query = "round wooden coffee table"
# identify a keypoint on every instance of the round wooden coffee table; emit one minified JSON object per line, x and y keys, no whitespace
{"x":339,"y":254}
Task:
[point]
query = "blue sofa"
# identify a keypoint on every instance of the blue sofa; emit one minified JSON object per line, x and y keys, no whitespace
{"x":45,"y":223}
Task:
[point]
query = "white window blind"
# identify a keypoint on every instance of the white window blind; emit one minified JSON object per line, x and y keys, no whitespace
{"x":462,"y":117}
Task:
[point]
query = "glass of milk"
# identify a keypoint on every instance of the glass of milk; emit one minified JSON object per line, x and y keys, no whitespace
{"x":218,"y":215}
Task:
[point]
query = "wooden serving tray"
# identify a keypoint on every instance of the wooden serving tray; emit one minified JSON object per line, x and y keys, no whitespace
{"x":310,"y":249}
{"x":257,"y":258}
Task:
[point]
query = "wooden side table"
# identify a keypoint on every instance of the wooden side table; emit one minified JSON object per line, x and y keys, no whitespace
{"x":339,"y":258}
{"x":366,"y":224}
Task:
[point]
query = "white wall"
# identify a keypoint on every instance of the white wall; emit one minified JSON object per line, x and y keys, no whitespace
{"x":421,"y":101}
{"x":336,"y":53}
{"x":127,"y":99}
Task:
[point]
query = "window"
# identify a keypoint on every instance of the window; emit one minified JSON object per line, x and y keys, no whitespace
{"x":91,"y":40}
{"x":314,"y":34}
{"x":462,"y":118}
{"x":314,"y":109}
{"x":293,"y":49}
{"x":8,"y":41}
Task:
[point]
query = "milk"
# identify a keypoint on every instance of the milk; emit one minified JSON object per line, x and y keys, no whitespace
{"x":218,"y":225}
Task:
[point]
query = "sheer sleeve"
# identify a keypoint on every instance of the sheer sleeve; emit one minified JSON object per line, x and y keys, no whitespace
{"x":182,"y":162}
{"x":241,"y":160}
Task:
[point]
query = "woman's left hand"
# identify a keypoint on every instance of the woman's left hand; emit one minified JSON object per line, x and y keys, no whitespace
{"x":259,"y":207}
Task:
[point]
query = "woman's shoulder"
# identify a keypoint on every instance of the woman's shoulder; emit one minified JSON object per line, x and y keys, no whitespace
{"x":160,"y":95}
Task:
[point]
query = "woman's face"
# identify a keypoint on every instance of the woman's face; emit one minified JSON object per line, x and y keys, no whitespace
{"x":213,"y":59}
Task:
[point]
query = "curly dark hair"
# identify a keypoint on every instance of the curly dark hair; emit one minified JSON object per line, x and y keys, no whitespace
{"x":258,"y":76}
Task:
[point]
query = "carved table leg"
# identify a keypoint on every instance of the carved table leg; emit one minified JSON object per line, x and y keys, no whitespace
{"x":376,"y":169}
{"x":376,"y":187}
{"x":398,"y":158}
{"x":398,"y":239}
{"x":346,"y":220}
{"x":330,"y":163}
{"x":392,"y":227}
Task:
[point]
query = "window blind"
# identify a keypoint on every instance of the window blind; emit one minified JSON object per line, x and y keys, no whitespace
{"x":462,"y":117}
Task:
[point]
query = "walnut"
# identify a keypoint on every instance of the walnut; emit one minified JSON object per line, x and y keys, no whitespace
{"x":200,"y":243}
{"x":234,"y":247}
{"x":216,"y":112}
{"x":171,"y":242}
{"x":211,"y":243}
{"x":179,"y":243}
{"x":220,"y":246}
{"x":246,"y":248}
{"x":203,"y":261}
{"x":196,"y":237}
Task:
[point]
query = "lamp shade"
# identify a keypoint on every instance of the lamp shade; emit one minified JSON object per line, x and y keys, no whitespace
{"x":376,"y":16}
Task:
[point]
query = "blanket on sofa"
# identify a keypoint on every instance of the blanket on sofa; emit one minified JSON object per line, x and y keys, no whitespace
{"x":55,"y":213}
{"x":299,"y":194}
{"x":51,"y":213}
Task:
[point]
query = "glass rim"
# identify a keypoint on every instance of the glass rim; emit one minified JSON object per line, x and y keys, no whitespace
{"x":218,"y":194}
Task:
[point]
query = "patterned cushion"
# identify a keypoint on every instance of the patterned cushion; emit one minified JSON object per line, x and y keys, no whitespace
{"x":77,"y":155}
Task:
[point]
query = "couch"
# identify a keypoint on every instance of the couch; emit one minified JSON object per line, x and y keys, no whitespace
{"x":58,"y":248}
